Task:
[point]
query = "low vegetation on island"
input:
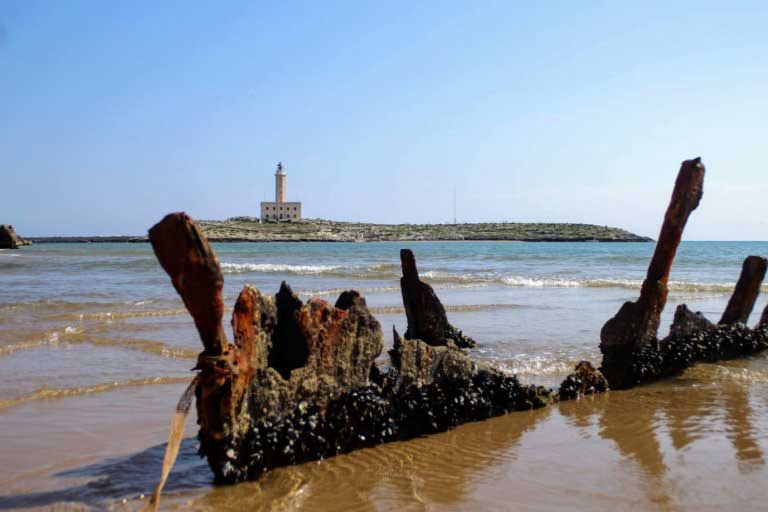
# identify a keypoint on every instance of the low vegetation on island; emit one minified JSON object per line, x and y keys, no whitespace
{"x":250,"y":229}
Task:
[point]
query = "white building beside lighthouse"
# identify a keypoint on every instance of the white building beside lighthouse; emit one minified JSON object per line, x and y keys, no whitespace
{"x":280,"y":209}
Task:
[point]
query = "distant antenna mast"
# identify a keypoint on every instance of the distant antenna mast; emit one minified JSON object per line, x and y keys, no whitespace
{"x":454,"y":204}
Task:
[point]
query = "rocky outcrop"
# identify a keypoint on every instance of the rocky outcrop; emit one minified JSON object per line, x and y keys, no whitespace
{"x":427,"y":320}
{"x":9,"y":239}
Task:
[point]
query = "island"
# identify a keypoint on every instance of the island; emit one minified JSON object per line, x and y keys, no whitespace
{"x":251,"y":229}
{"x":309,"y":230}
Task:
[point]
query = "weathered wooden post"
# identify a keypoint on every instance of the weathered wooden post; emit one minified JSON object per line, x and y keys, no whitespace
{"x":427,"y":320}
{"x":764,"y":318}
{"x":187,"y":257}
{"x":637,"y":323}
{"x":747,"y":289}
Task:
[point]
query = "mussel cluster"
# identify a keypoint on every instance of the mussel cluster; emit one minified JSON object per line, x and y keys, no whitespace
{"x":675,"y":353}
{"x":371,"y":415}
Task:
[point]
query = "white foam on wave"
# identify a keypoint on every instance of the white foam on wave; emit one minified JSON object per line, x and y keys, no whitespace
{"x":238,"y":268}
{"x":472,"y":279}
{"x":545,"y":282}
{"x":556,"y":282}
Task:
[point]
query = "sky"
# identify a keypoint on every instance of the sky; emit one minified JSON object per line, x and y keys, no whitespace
{"x":113,"y":114}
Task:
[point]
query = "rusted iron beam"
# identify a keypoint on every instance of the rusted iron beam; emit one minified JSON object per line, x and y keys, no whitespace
{"x":187,"y":257}
{"x":747,"y":289}
{"x":637,"y":323}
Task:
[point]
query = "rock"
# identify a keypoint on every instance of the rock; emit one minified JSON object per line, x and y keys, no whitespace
{"x":636,"y":324}
{"x":426,"y":315}
{"x":9,"y":239}
{"x":745,"y":294}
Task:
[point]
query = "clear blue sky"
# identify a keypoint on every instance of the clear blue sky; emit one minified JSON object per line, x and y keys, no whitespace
{"x":114,"y":113}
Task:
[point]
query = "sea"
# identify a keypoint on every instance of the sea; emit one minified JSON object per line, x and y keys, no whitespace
{"x":96,"y":347}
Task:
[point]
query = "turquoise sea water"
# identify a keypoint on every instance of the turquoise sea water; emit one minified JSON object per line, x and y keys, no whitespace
{"x":95,"y":332}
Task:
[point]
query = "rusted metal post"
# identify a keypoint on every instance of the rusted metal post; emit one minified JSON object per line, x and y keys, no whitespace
{"x":747,"y":289}
{"x":187,"y":257}
{"x":637,"y":323}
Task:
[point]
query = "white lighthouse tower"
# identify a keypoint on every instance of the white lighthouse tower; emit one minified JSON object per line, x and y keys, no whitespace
{"x":280,"y":183}
{"x":280,"y":210}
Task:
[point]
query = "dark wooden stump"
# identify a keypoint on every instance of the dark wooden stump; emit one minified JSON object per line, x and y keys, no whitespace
{"x":427,"y":320}
{"x":637,"y":323}
{"x":747,"y":289}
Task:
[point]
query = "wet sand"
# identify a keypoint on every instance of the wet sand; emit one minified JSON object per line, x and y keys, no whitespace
{"x":694,"y":442}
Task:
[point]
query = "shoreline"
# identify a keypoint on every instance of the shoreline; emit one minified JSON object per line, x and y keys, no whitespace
{"x":250,"y":229}
{"x":137,"y":240}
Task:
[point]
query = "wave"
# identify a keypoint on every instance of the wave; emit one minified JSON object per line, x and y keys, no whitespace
{"x":114,"y":315}
{"x":239,"y":268}
{"x":545,"y":364}
{"x":52,"y":393}
{"x":76,"y":335}
{"x":457,"y":308}
{"x":478,"y":279}
{"x":552,"y":282}
{"x":69,"y":335}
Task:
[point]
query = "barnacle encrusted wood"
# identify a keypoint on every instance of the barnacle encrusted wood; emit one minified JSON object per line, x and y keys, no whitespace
{"x":338,"y":400}
{"x":747,"y":288}
{"x":427,"y":320}
{"x":636,"y":324}
{"x":693,"y":338}
{"x":187,"y":257}
{"x":301,"y":382}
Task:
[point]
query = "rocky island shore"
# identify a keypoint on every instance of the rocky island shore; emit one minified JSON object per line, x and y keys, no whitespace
{"x":249,"y":229}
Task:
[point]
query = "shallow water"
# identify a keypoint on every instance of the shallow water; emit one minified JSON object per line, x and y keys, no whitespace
{"x":95,"y":349}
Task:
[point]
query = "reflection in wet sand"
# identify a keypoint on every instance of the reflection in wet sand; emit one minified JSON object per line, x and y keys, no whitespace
{"x":654,"y":426}
{"x":438,"y":470}
{"x":691,"y":442}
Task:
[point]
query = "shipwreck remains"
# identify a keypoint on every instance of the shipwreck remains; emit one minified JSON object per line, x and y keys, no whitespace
{"x":632,"y":352}
{"x":426,"y":316}
{"x":303,"y":381}
{"x":635,"y":325}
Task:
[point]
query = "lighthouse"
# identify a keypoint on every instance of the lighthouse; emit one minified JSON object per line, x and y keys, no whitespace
{"x":280,"y":209}
{"x":280,"y":183}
